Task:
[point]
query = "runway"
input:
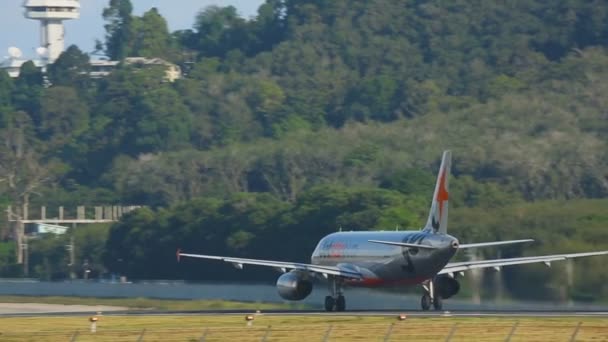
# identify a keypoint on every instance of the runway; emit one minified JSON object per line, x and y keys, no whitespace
{"x":362,"y":313}
{"x":395,"y":313}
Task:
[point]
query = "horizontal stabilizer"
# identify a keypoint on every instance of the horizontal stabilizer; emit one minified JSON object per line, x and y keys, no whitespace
{"x":401,"y":244}
{"x":493,"y":243}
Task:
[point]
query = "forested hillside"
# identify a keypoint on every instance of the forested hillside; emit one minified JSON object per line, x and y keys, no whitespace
{"x":316,"y":115}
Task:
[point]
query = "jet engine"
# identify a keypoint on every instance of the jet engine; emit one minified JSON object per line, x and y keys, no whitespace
{"x":294,"y":286}
{"x":446,"y":286}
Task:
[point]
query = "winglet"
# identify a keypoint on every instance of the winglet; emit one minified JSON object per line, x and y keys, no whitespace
{"x":178,"y":254}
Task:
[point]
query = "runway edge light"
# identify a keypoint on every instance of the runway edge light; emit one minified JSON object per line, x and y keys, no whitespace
{"x":93,"y":320}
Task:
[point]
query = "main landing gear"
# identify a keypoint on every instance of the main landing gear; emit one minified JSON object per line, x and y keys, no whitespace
{"x":336,"y":301}
{"x":430,"y":297}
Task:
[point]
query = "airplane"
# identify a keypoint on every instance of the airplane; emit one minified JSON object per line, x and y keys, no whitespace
{"x":390,"y":258}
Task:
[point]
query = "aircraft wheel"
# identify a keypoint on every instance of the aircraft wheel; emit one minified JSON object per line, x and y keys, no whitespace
{"x":437,"y":303}
{"x":329,"y":303}
{"x":341,"y":303}
{"x":425,"y":302}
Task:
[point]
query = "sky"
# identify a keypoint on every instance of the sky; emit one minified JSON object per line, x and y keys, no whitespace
{"x":16,"y":30}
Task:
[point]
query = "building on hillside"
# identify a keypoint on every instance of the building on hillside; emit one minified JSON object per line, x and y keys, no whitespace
{"x":51,"y":14}
{"x":98,"y":68}
{"x":172,"y":71}
{"x":102,"y":68}
{"x":13,"y":65}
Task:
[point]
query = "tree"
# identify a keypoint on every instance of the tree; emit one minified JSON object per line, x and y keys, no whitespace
{"x":48,"y":257}
{"x":151,"y":36}
{"x":23,"y":169}
{"x":219,"y":30}
{"x":118,"y":114}
{"x":269,"y":25}
{"x":163,"y":122}
{"x":6,"y":89}
{"x":28,"y":88}
{"x":374,"y":99}
{"x":267,"y":100}
{"x":119,"y":29}
{"x":6,"y":92}
{"x":63,"y":116}
{"x":22,"y":164}
{"x":414,"y":182}
{"x":90,"y":243}
{"x":70,"y":69}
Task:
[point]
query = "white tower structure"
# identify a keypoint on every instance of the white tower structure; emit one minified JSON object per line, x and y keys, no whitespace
{"x":51,"y":14}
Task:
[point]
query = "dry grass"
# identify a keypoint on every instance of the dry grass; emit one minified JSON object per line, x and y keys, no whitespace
{"x":298,"y":328}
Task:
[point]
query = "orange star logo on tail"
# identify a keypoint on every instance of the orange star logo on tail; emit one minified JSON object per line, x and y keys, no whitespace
{"x":442,"y":194}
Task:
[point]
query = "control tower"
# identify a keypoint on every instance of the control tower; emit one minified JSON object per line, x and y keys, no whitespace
{"x":51,"y":14}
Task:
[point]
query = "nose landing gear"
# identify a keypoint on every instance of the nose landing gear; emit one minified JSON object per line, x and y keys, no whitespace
{"x":335,"y":304}
{"x":427,"y":301}
{"x":336,"y":301}
{"x":430,"y":297}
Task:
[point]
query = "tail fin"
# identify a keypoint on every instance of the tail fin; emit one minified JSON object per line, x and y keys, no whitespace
{"x":438,"y":216}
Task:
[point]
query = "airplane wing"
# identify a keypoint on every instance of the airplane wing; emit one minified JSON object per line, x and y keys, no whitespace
{"x":462,"y":246}
{"x":498,"y":263}
{"x":281,"y":266}
{"x":493,"y":243}
{"x":402,"y":244}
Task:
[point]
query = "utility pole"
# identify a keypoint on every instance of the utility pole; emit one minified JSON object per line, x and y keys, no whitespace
{"x":72,"y":261}
{"x":26,"y":256}
{"x":70,"y":249}
{"x":569,"y":280}
{"x":25,"y":251}
{"x":19,"y":232}
{"x":498,"y":282}
{"x":475,"y":277}
{"x":7,"y":232}
{"x":13,"y":226}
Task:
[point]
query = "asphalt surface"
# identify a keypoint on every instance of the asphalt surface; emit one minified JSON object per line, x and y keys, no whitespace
{"x":35,"y":309}
{"x":28,"y":310}
{"x":445,"y":313}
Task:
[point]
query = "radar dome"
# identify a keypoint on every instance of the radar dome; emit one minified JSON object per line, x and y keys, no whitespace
{"x":42,"y":52}
{"x":14,"y":52}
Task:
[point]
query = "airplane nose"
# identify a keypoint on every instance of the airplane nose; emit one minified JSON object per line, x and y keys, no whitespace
{"x":455,"y":244}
